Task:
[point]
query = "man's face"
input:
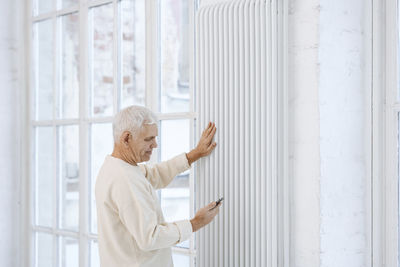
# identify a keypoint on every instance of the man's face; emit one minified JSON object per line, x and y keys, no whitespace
{"x":143,"y":143}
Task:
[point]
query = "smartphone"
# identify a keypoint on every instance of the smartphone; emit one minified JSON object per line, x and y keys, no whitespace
{"x":217,"y":203}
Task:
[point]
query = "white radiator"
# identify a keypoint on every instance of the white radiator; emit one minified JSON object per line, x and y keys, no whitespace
{"x":237,"y":81}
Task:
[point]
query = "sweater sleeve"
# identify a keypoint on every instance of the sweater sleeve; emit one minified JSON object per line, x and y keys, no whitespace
{"x":161,"y":174}
{"x":140,"y":219}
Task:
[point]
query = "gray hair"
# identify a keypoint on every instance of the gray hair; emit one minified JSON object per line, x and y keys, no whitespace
{"x":132,"y":119}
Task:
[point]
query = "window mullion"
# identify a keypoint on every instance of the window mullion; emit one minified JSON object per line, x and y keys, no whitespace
{"x":182,"y":251}
{"x":175,"y":116}
{"x":94,"y":3}
{"x":116,"y":47}
{"x":56,"y":13}
{"x":192,"y":190}
{"x":152,"y":70}
{"x":27,"y":195}
{"x":55,"y":138}
{"x":192,"y":10}
{"x":83,"y":135}
{"x":192,"y":57}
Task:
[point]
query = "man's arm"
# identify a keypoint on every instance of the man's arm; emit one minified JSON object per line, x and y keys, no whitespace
{"x":160,"y":175}
{"x":137,"y":212}
{"x":141,"y":221}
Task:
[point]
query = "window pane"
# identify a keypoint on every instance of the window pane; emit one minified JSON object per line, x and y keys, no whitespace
{"x":132,"y":39}
{"x":174,"y":56}
{"x":94,"y":254}
{"x":101,"y":59}
{"x":68,"y":3}
{"x":69,"y":252}
{"x":69,"y":77}
{"x":44,"y":250}
{"x":175,"y":138}
{"x":181,"y":260}
{"x":42,"y":6}
{"x":101,"y":145}
{"x":44,"y":176}
{"x":175,"y":199}
{"x":43,"y":69}
{"x":69,"y":177}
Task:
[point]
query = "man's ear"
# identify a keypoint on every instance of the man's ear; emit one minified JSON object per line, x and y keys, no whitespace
{"x":125,"y":138}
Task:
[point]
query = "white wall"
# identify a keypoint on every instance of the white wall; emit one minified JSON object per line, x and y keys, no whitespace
{"x":9,"y":180}
{"x":328,"y":133}
{"x":304,"y":132}
{"x":342,"y":94}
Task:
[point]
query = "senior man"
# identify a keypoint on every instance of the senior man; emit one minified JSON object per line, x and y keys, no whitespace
{"x":131,"y":227}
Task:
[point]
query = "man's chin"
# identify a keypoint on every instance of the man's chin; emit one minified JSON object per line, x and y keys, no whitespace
{"x":147,"y":157}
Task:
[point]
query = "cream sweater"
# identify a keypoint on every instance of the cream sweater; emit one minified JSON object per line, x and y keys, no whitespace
{"x":131,"y":226}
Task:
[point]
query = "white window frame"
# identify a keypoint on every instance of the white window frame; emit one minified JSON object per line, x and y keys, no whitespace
{"x":84,"y":120}
{"x":385,"y":105}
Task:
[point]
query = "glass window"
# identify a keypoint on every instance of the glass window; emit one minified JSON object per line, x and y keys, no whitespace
{"x":175,"y":199}
{"x":174,"y":29}
{"x":44,"y":249}
{"x":132,"y":40}
{"x":181,"y":260}
{"x":94,"y":254}
{"x":42,"y":6}
{"x":101,"y":29}
{"x":101,"y":145}
{"x":69,"y":74}
{"x":69,"y":177}
{"x":45,"y":176}
{"x":71,"y":138}
{"x":69,"y":252}
{"x":43,"y":68}
{"x":69,"y":3}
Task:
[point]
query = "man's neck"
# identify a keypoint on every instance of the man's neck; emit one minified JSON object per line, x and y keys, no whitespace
{"x":122,"y":156}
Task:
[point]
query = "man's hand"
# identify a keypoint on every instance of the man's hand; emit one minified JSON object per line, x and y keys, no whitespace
{"x":205,"y":145}
{"x":204,"y":216}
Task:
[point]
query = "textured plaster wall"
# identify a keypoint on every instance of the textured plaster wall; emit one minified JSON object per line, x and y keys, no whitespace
{"x":304,"y":132}
{"x":9,"y":180}
{"x":342,"y":94}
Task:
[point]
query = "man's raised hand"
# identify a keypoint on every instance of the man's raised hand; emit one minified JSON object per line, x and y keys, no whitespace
{"x":205,"y":145}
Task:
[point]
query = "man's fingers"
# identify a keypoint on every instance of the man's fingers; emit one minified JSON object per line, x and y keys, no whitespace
{"x":211,"y":146}
{"x":212,"y":204}
{"x":210,"y":136}
{"x":209,"y":129}
{"x":215,"y":211}
{"x":208,"y":126}
{"x":213,"y":130}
